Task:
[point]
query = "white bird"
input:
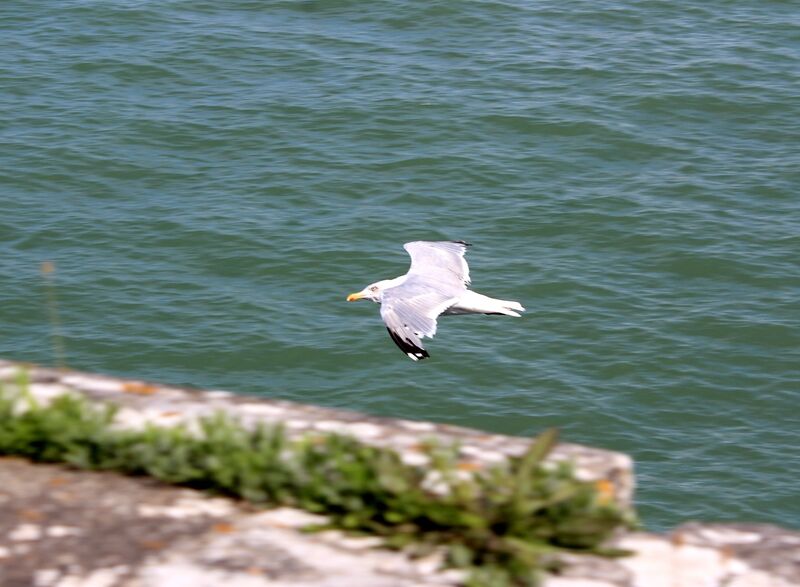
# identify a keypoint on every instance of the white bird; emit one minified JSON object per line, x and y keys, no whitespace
{"x":436,"y":284}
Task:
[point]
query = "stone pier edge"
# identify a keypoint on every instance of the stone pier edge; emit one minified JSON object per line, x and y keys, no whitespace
{"x":224,"y":542}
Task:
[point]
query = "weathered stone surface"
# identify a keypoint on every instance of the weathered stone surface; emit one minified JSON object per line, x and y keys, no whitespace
{"x":65,"y":528}
{"x":767,"y":549}
{"x":686,"y":559}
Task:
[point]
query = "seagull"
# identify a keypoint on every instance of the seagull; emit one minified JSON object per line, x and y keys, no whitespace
{"x":435,"y":285}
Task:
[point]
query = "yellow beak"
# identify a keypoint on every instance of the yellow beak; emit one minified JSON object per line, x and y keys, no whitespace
{"x":354,"y":296}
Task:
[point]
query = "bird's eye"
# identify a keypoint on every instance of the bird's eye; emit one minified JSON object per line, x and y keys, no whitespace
{"x":373,"y":288}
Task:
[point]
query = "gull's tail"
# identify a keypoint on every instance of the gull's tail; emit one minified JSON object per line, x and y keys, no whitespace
{"x":474,"y":303}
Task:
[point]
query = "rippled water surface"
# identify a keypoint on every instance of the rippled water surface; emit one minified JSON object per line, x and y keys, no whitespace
{"x":211,"y":179}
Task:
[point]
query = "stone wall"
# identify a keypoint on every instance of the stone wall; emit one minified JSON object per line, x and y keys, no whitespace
{"x":66,"y":528}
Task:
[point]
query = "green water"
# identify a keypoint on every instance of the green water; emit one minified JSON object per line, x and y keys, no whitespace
{"x":212,"y":179}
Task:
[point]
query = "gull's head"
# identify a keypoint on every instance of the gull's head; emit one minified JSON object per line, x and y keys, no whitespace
{"x":373,"y":292}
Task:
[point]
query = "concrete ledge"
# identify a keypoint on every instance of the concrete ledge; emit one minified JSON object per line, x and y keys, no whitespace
{"x":65,"y":528}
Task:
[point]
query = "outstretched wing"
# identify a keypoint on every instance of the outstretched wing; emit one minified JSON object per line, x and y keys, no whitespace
{"x":439,"y":262}
{"x":410,"y":311}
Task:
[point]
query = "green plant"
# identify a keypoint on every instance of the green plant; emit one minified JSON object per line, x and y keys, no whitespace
{"x":504,"y":524}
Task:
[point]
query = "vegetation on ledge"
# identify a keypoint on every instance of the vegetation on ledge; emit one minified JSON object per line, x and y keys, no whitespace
{"x":505,"y":524}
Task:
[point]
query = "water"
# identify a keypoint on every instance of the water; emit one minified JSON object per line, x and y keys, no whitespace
{"x":212,"y":179}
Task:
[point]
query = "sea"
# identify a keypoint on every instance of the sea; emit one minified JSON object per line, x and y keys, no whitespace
{"x":190,"y":189}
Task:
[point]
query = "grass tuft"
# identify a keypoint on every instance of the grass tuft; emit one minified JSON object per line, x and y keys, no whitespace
{"x":505,"y":525}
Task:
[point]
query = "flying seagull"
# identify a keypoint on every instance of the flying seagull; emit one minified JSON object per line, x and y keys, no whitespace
{"x":436,"y":284}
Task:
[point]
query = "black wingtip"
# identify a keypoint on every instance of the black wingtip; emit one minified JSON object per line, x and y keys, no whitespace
{"x":414,"y":352}
{"x":465,"y":243}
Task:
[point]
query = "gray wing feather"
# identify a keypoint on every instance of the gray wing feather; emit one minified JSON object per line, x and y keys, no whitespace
{"x":440,"y":262}
{"x":410,"y":311}
{"x":435,"y":281}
